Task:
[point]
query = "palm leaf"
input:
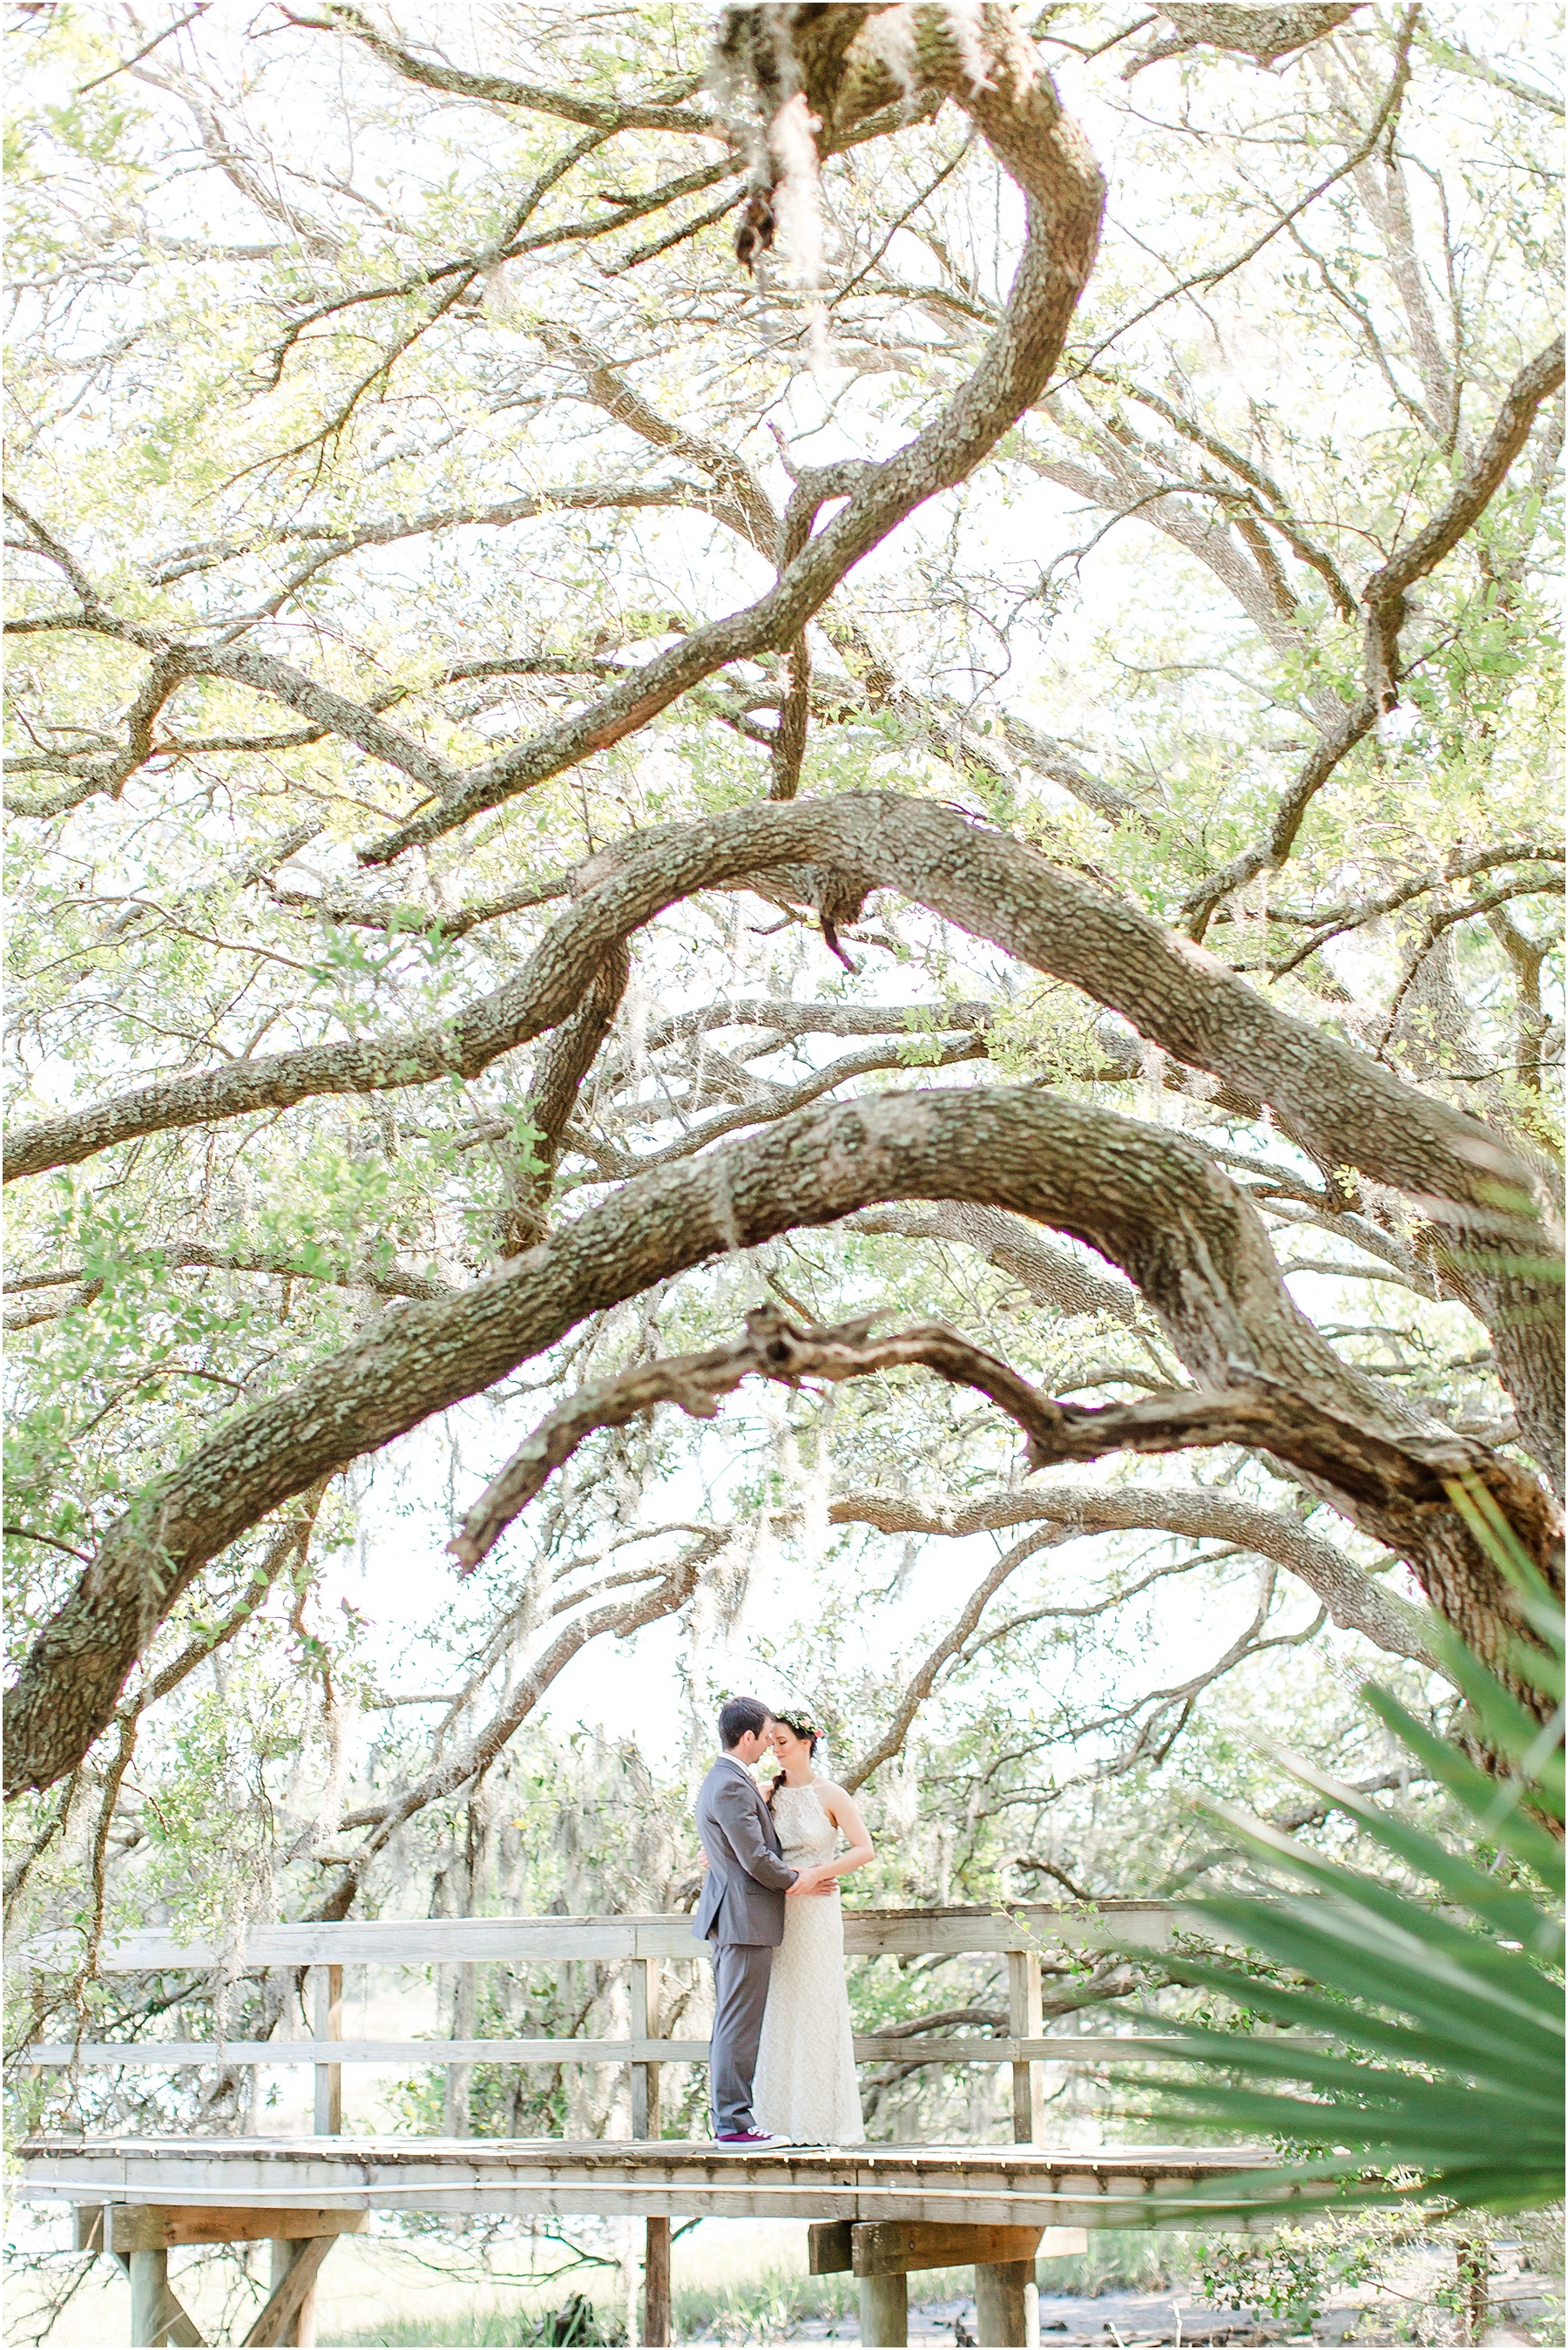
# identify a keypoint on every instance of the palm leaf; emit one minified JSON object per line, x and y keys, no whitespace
{"x":1441,"y":2075}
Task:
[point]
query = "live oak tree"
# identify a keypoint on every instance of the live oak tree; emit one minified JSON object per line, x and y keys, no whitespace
{"x":653,"y":657}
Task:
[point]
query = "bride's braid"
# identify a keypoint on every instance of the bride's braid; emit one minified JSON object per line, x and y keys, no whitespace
{"x":798,"y":1730}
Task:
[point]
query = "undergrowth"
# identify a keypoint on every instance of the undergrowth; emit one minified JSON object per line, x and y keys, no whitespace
{"x":769,"y":2307}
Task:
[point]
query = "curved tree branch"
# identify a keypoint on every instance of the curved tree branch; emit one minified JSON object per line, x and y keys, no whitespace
{"x":1149,"y":1200}
{"x":1354,"y":1598}
{"x":1494,"y":1227}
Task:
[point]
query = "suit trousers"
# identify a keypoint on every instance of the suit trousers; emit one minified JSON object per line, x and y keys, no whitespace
{"x":740,"y":1972}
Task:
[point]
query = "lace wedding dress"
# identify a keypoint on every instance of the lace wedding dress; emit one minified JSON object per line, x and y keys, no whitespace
{"x":806,"y":2086}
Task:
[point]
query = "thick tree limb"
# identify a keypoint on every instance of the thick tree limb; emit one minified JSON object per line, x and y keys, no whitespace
{"x":569,"y":1054}
{"x":1148,"y":1199}
{"x":1493,"y":1226}
{"x":774,"y":1348}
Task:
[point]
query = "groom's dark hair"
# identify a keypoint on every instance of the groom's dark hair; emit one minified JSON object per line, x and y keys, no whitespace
{"x":739,"y":1715}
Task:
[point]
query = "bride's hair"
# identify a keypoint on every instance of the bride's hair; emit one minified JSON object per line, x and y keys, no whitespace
{"x":801,"y":1729}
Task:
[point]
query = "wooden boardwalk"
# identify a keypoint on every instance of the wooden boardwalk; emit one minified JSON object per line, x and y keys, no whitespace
{"x":986,"y":2187}
{"x":878,"y":2210}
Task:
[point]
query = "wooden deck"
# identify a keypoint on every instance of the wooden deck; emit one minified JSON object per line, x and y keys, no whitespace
{"x":879,"y":2210}
{"x":1001,"y":2186}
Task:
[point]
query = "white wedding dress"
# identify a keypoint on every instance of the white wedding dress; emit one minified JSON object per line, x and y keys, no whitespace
{"x":806,"y":2086}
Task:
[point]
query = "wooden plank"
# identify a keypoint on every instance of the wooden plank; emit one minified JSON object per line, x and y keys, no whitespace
{"x":380,"y":1941}
{"x":894,"y":2247}
{"x":488,"y":2191}
{"x":829,"y":2247}
{"x":421,"y":1941}
{"x":1064,"y":2048}
{"x":152,"y":2227}
{"x":876,"y":2161}
{"x":275,"y":2322}
{"x":169,"y":2053}
{"x":1151,"y":1925}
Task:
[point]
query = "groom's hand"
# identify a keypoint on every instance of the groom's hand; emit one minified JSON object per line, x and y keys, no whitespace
{"x":811,"y":1880}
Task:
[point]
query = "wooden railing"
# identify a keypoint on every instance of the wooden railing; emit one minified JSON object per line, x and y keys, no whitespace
{"x":1021,"y":1933}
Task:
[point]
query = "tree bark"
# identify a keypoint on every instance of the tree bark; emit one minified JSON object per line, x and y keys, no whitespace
{"x":1151,"y":1201}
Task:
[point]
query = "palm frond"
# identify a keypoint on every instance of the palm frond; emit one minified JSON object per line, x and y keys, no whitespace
{"x":1439,"y":2068}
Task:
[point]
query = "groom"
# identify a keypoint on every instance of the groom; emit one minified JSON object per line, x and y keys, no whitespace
{"x":740,"y":1916}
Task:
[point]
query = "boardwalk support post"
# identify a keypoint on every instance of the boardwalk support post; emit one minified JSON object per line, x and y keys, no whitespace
{"x":883,"y":2253}
{"x":148,"y":2291}
{"x":885,"y":2311}
{"x":1001,"y":2304}
{"x":157,"y":2315}
{"x":656,"y":2286}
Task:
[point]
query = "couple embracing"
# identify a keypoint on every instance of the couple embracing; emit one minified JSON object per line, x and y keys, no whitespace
{"x":781,"y":2064}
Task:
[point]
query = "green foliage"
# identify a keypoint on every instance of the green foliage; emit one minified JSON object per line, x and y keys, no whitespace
{"x":1449,"y":2011}
{"x":1290,"y":2274}
{"x":169,"y":223}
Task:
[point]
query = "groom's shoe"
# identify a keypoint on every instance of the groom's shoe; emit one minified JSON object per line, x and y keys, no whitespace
{"x":752,"y":2141}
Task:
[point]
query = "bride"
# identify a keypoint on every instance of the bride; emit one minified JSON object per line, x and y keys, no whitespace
{"x":807,"y":2089}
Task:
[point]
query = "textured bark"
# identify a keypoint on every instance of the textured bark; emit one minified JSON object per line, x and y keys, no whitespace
{"x":1495,"y":1235}
{"x":567,"y":1056}
{"x":1150,"y":1201}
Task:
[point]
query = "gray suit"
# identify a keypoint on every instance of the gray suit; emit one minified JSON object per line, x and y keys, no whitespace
{"x":742,"y":1917}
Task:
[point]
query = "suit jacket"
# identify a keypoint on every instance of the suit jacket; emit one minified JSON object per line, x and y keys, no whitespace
{"x":746,"y":1880}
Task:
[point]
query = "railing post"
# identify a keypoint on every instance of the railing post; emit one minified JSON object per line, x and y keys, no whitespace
{"x":1025,"y":2022}
{"x":326,"y":2024}
{"x":645,"y":2119}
